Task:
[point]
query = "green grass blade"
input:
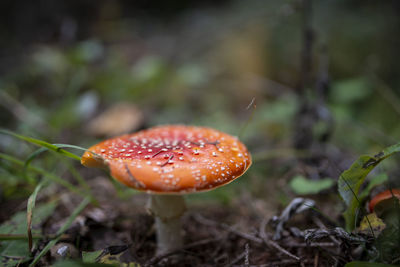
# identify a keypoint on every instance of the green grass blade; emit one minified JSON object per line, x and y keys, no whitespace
{"x":81,"y":182}
{"x":42,"y":144}
{"x":7,"y":237}
{"x":29,"y":212}
{"x":73,"y":171}
{"x":46,"y":174}
{"x":36,"y":153}
{"x":66,"y":225}
{"x":78,"y":148}
{"x":78,"y":177}
{"x":11,"y":159}
{"x":70,"y":146}
{"x":30,"y":158}
{"x":54,"y":178}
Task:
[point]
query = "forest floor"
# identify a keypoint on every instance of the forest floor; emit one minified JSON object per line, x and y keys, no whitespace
{"x":239,"y":234}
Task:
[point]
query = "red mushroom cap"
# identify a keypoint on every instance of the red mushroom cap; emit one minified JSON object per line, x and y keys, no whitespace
{"x":171,"y":159}
{"x":382,"y":196}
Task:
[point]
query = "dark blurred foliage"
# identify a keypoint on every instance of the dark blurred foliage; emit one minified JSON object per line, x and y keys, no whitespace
{"x":62,"y":63}
{"x":43,"y":21}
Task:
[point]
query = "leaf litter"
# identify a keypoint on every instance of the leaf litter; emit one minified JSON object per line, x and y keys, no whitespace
{"x":121,"y":232}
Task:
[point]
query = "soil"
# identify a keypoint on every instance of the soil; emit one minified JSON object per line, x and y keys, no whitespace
{"x":238,"y":234}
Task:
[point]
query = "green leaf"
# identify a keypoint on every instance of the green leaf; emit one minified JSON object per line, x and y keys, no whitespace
{"x":66,"y":225}
{"x":303,"y":186}
{"x":109,"y":255}
{"x":18,"y":249}
{"x":91,"y":256}
{"x":42,"y":144}
{"x":368,"y":264}
{"x":375,"y":181}
{"x":351,"y":180}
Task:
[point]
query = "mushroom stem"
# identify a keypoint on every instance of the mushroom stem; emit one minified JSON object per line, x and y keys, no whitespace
{"x":167,"y":210}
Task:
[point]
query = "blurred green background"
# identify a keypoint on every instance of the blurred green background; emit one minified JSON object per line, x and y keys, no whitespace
{"x":79,"y":71}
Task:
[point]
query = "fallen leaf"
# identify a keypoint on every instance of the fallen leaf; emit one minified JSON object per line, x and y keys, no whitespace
{"x":369,"y":223}
{"x":119,"y":119}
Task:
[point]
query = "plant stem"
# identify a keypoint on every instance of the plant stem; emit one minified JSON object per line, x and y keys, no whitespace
{"x":167,"y":210}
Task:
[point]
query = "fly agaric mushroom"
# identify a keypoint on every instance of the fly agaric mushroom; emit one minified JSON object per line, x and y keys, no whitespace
{"x":383,"y":196}
{"x":168,"y":162}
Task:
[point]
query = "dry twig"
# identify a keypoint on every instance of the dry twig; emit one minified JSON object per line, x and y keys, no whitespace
{"x":209,"y":222}
{"x":272,"y":243}
{"x":157,"y":259}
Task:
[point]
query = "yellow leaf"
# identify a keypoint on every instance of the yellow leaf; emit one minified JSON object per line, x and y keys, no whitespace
{"x":371,"y":222}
